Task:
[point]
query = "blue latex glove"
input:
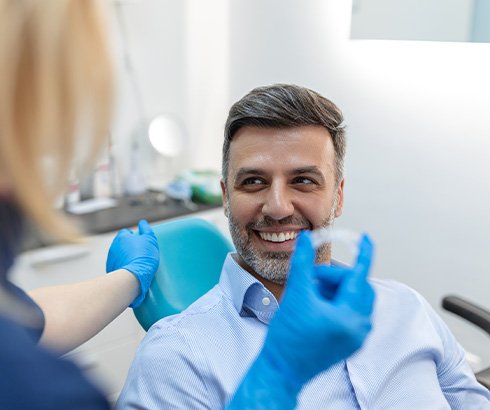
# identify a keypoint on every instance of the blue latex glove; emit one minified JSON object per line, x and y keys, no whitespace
{"x":324,"y":317}
{"x":137,"y":253}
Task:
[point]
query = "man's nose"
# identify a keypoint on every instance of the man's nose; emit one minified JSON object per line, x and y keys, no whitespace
{"x":278,"y":203}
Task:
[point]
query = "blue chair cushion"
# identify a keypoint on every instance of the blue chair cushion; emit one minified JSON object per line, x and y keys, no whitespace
{"x":192,"y":252}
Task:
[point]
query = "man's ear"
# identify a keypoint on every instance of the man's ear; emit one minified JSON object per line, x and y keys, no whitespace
{"x":224,"y":197}
{"x":340,"y":199}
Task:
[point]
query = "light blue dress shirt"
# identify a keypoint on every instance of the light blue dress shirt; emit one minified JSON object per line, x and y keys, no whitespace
{"x":196,"y":359}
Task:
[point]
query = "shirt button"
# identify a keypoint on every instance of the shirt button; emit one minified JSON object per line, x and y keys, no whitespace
{"x":266,"y":301}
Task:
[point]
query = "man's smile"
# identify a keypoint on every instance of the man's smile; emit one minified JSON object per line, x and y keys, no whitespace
{"x":276,"y":239}
{"x":278,"y":236}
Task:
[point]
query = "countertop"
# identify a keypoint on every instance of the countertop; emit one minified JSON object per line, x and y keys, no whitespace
{"x":126,"y":214}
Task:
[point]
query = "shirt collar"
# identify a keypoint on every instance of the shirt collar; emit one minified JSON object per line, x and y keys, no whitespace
{"x":248,"y":295}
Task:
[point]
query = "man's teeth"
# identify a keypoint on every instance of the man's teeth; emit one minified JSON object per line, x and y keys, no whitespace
{"x":278,"y":237}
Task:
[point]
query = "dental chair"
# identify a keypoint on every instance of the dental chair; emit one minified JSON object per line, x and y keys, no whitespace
{"x":476,"y":315}
{"x":192,"y":252}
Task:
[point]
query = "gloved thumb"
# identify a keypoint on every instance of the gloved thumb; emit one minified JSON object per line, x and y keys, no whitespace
{"x":303,"y":259}
{"x":144,"y":227}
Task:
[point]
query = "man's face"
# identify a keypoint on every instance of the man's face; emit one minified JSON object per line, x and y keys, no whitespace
{"x":280,"y":181}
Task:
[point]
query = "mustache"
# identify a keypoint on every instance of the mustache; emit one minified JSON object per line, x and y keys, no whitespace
{"x":267,"y":222}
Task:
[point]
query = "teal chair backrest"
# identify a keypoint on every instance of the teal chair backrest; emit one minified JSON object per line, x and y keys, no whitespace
{"x":192,"y":252}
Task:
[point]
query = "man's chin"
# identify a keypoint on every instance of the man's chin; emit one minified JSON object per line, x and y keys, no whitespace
{"x":274,"y":268}
{"x":279,"y":255}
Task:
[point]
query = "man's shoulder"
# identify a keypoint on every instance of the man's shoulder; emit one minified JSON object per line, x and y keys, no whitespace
{"x":203,"y":315}
{"x":390,"y":292}
{"x":182,"y":343}
{"x":202,"y":309}
{"x":169,"y":363}
{"x":392,"y":286}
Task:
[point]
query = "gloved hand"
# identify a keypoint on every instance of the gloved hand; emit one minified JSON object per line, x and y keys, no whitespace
{"x":324,"y":317}
{"x":137,"y":253}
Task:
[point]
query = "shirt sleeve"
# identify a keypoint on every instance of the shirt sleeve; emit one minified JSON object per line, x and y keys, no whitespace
{"x":165,"y":374}
{"x":23,"y":310}
{"x":457,"y":381}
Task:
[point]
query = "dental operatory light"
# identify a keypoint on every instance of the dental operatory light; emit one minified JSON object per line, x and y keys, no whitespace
{"x":166,"y":136}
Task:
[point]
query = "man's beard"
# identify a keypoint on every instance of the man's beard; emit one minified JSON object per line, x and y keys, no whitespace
{"x":273,"y":266}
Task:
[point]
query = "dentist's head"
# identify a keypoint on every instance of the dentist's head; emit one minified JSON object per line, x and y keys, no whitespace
{"x":55,"y":101}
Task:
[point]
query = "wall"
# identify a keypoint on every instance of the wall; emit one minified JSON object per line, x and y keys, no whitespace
{"x":417,"y":117}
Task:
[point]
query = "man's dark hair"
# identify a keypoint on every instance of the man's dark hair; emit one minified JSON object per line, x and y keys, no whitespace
{"x":286,"y":106}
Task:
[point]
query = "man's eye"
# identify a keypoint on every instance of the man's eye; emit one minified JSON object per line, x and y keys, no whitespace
{"x":304,"y":181}
{"x":252,"y":181}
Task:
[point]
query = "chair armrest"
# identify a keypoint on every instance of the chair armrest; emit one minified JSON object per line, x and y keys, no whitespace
{"x":483,"y":378}
{"x":469,"y":311}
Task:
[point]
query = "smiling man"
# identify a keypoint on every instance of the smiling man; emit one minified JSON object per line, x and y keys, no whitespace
{"x":278,"y":182}
{"x":283,"y":160}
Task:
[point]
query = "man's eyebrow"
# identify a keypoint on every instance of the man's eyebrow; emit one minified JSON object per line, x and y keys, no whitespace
{"x":242,"y":172}
{"x":308,"y":170}
{"x":313,"y":169}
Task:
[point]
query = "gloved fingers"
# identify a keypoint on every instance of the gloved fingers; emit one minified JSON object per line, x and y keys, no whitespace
{"x":356,"y":294}
{"x":363,"y":301}
{"x":366,"y":301}
{"x":114,"y":255}
{"x":144,"y":227}
{"x":365,"y":257}
{"x":355,"y":285}
{"x":124,"y":232}
{"x":302,"y":260}
{"x":327,"y":279}
{"x":330,"y":273}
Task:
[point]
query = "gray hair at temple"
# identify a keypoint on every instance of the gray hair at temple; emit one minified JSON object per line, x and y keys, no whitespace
{"x":286,"y":106}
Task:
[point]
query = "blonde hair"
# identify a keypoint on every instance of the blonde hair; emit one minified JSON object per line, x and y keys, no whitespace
{"x":55,"y":79}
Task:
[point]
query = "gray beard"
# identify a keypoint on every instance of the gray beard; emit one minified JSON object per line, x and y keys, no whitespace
{"x":273,"y":266}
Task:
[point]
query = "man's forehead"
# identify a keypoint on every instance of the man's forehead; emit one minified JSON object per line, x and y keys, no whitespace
{"x":305,"y":134}
{"x":290,"y":148}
